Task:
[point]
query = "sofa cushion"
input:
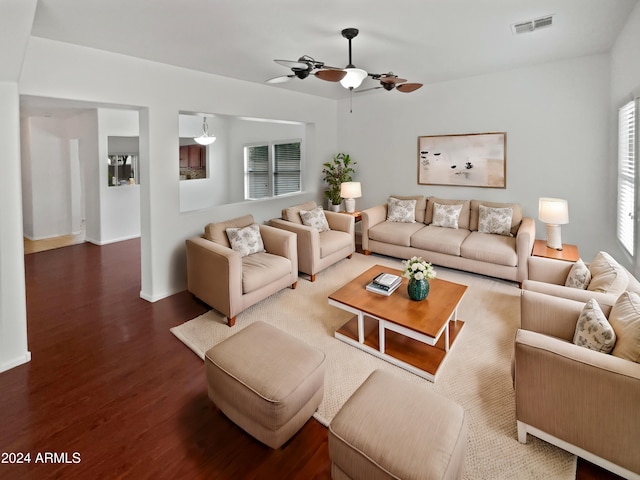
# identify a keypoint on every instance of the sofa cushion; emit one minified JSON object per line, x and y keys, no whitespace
{"x":395,"y":233}
{"x":403,"y":211}
{"x":579,"y":276}
{"x":607,"y":275}
{"x":421,"y":205}
{"x":217,"y":232}
{"x":516,"y":217}
{"x":315,"y":218}
{"x":260,"y":269}
{"x":495,"y":220}
{"x":292,"y":214}
{"x":446,"y":215}
{"x":593,"y":331}
{"x":246,"y":240}
{"x":333,"y":240}
{"x":625,"y":320}
{"x":463,"y":219}
{"x":490,"y":248}
{"x":439,"y":239}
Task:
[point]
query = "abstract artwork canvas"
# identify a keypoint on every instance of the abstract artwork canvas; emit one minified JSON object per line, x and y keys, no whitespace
{"x":471,"y":160}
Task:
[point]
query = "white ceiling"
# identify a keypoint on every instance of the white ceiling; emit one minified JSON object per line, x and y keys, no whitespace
{"x":424,"y":41}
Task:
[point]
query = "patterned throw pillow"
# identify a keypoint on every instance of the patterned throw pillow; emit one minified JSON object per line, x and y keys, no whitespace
{"x":579,"y":276}
{"x":446,"y":215}
{"x":495,"y":220}
{"x":315,"y":218}
{"x":246,"y":240}
{"x":403,"y":211}
{"x":593,"y":331}
{"x":625,"y":320}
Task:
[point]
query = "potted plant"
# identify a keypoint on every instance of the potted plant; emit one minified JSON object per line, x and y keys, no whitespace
{"x":335,"y":172}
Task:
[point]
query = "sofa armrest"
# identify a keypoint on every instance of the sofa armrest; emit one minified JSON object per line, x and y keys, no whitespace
{"x":524,"y":245}
{"x":214,"y":274}
{"x":280,"y":242}
{"x":341,"y":222}
{"x":549,"y":270}
{"x":370,"y":218}
{"x":569,"y":293}
{"x":586,"y":398}
{"x":308,"y":241}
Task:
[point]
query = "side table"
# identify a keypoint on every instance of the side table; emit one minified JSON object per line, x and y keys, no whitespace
{"x":357,"y":215}
{"x":569,"y":253}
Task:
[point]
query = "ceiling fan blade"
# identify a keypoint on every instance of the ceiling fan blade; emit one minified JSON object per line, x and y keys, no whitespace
{"x":281,"y":79}
{"x":408,"y":87}
{"x":292,"y":64}
{"x":385,"y":79}
{"x":331,"y":74}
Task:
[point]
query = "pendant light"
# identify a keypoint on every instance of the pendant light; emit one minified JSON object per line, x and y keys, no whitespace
{"x":205,"y":138}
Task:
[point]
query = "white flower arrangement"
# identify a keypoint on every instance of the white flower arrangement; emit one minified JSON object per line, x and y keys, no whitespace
{"x":418,"y":269}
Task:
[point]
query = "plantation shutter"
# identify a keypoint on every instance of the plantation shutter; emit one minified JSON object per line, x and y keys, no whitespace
{"x":627,"y":176}
{"x":286,"y":169}
{"x":257,"y":171}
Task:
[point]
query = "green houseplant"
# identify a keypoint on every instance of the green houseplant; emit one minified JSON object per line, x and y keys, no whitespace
{"x":335,"y":172}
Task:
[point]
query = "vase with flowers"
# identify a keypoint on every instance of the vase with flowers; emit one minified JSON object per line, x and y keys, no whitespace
{"x":419,"y":272}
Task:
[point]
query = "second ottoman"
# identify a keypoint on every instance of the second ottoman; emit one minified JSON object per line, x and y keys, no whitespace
{"x":266,"y":381}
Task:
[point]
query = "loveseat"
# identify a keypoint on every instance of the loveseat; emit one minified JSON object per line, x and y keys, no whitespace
{"x":445,"y":240}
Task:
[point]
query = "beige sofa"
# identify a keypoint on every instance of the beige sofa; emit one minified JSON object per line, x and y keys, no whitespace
{"x":463,"y":248}
{"x":548,"y":276}
{"x":319,"y":250}
{"x":580,"y":400}
{"x":229,"y":282}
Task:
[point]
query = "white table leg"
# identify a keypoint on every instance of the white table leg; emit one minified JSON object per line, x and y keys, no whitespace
{"x":360,"y":327}
{"x":446,"y":336}
{"x":381,"y":336}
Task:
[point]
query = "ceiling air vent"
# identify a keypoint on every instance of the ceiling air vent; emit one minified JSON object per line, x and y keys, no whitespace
{"x":532,"y":25}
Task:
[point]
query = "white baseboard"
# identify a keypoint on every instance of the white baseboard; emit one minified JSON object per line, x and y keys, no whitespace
{"x":155,"y":298}
{"x":26,"y":358}
{"x":107,"y":242}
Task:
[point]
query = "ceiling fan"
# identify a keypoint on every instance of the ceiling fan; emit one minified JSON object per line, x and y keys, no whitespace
{"x":390,"y":81}
{"x":306,"y":66}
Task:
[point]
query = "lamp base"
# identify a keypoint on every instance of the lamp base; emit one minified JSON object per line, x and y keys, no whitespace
{"x":350,"y":204}
{"x":554,"y":237}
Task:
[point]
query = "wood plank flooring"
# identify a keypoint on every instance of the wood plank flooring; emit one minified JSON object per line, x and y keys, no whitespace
{"x":109,"y":381}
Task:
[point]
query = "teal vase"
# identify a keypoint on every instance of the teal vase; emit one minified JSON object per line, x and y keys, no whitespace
{"x":418,"y":289}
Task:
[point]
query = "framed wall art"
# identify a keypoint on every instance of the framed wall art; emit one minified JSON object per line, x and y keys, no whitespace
{"x":470,"y":160}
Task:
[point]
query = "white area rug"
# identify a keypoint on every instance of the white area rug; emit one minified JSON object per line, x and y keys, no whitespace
{"x":476,"y":373}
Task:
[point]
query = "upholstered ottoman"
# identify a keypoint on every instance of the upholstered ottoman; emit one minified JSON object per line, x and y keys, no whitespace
{"x":266,"y":381}
{"x":392,"y":428}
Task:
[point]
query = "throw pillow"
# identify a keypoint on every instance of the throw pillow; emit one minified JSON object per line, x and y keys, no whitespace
{"x":593,"y":331}
{"x":246,"y":240}
{"x":446,"y":215}
{"x":607,"y":275}
{"x":579,"y":276}
{"x":403,"y":211}
{"x":495,"y":220}
{"x":625,"y":320}
{"x":315,"y":218}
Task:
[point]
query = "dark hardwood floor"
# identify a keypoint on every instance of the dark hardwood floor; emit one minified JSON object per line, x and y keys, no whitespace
{"x":109,"y":381}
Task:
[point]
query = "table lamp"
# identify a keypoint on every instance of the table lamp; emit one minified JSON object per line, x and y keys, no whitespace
{"x":554,"y":212}
{"x":350,"y":191}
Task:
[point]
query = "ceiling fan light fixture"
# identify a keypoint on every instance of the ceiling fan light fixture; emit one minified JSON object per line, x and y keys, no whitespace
{"x":205,"y":138}
{"x":353,"y":78}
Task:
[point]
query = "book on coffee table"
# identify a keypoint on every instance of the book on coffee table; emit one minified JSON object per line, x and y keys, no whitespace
{"x":384,"y":284}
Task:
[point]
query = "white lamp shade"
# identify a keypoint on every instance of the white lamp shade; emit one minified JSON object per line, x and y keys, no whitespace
{"x":353,"y":78}
{"x":205,"y":139}
{"x":554,"y":211}
{"x":350,"y":190}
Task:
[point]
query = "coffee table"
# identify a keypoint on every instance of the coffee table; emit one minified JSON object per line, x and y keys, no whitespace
{"x":402,"y":331}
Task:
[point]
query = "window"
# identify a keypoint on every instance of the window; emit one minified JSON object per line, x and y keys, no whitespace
{"x":627,"y":176}
{"x":272,"y":169}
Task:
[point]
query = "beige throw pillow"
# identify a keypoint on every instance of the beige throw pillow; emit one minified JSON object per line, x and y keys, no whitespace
{"x":246,"y":240}
{"x":495,"y":220}
{"x":625,"y":320}
{"x":446,"y":215}
{"x":579,"y":276}
{"x":403,"y":211}
{"x":607,"y":275}
{"x":315,"y":218}
{"x":593,"y":331}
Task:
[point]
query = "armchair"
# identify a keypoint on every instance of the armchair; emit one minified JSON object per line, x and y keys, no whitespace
{"x":229,"y":282}
{"x":319,"y":250}
{"x":580,"y":400}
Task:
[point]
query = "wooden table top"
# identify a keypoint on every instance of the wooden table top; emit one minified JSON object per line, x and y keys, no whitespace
{"x":426,"y":316}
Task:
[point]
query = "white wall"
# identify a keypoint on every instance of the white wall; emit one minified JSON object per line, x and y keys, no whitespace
{"x":59,"y":70}
{"x":556,"y":117}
